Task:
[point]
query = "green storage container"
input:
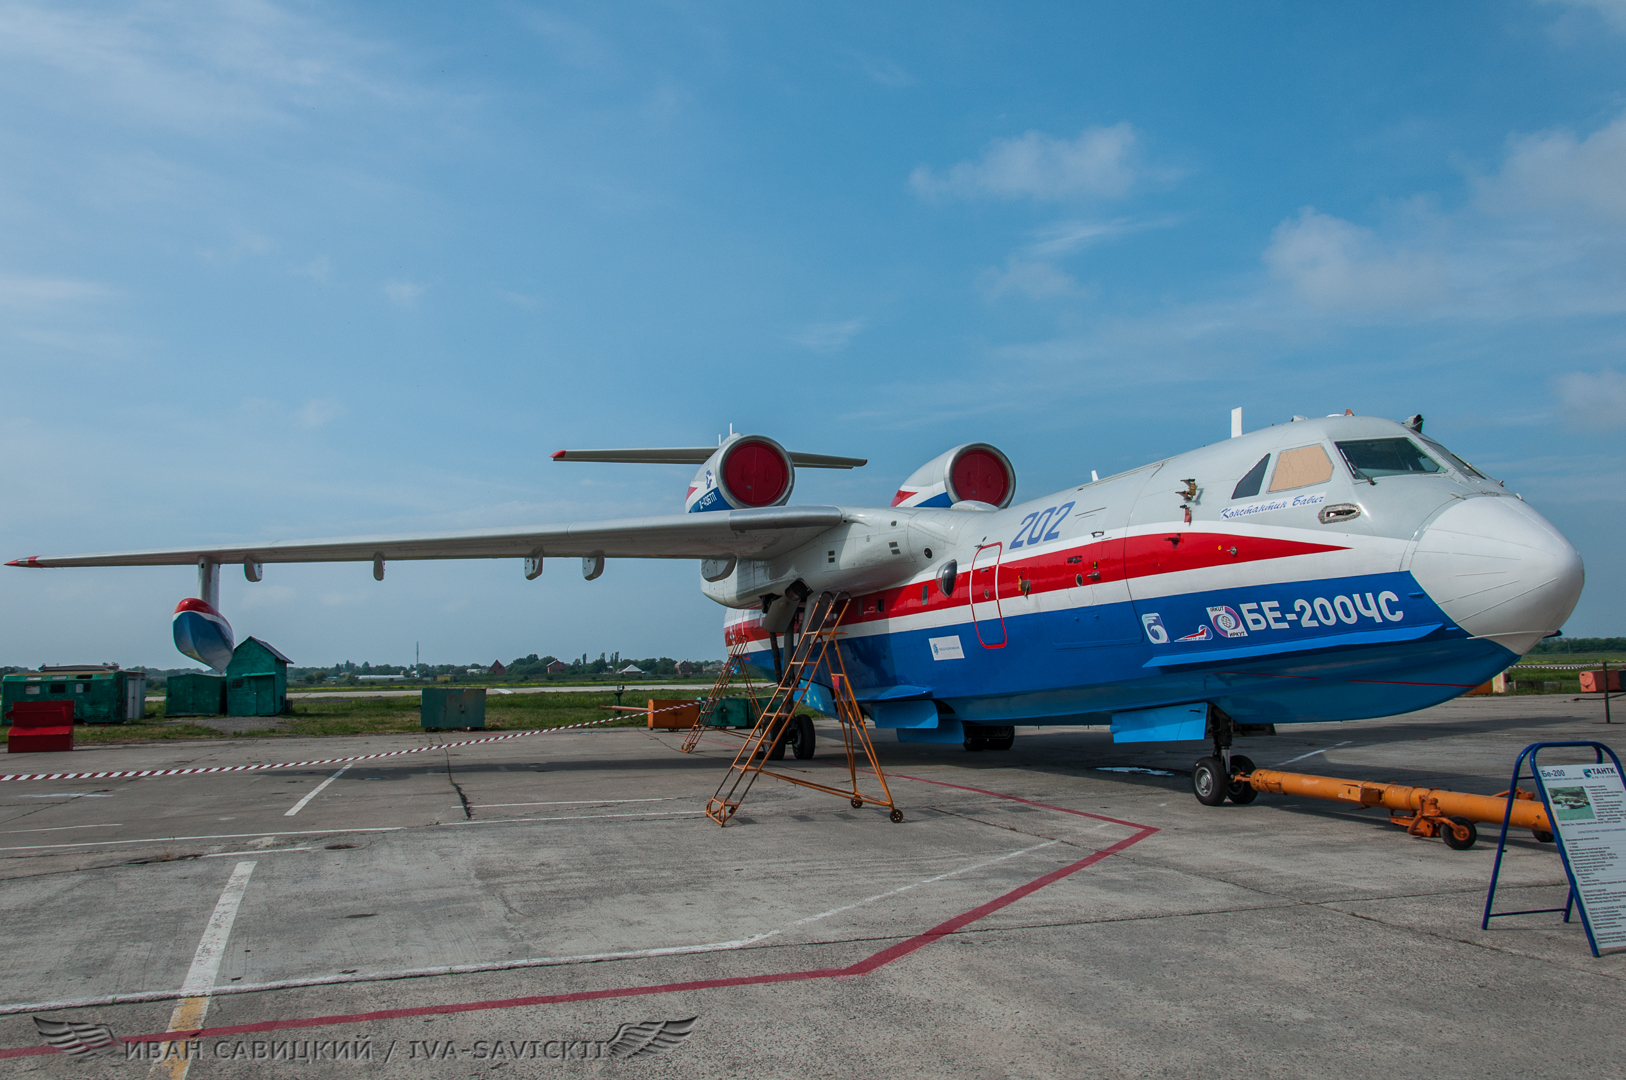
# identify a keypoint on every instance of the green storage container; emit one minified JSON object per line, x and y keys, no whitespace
{"x":733,"y":712}
{"x":444,"y":707}
{"x":256,"y":680}
{"x":195,"y":695}
{"x":100,"y":695}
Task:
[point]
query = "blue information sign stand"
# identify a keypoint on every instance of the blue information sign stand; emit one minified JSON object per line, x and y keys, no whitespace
{"x":1529,"y":753}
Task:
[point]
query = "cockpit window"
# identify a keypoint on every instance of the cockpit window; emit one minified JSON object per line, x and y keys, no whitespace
{"x":1462,"y":466}
{"x":1248,"y":486}
{"x":1386,"y":457}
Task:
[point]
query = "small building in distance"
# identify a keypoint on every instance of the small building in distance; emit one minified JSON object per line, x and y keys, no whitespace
{"x":497,"y":668}
{"x":558,"y":667}
{"x":631,"y":669}
{"x":685,"y":669}
{"x":256,"y":680}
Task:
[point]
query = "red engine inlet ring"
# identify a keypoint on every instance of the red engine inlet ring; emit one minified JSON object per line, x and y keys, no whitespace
{"x":980,"y":475}
{"x":755,"y":474}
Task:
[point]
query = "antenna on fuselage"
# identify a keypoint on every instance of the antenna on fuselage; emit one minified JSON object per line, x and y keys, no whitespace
{"x":1236,"y":422}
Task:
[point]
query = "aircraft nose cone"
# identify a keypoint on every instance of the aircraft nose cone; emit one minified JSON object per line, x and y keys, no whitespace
{"x":1499,"y":570}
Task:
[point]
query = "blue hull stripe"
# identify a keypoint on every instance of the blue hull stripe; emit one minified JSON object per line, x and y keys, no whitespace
{"x":1335,"y":641}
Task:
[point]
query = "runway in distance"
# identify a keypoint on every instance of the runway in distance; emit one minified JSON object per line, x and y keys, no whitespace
{"x":1323,"y":569}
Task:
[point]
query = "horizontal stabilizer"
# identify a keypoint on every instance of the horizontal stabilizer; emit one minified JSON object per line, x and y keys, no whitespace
{"x":697,"y":455}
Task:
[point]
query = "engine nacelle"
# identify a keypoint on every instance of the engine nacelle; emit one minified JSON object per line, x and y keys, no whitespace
{"x":974,"y":472}
{"x":746,"y":472}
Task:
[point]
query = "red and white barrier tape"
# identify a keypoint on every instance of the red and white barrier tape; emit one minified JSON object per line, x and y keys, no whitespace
{"x":132,"y":773}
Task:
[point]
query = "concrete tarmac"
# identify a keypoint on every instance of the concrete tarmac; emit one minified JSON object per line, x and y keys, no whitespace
{"x":505,"y":908}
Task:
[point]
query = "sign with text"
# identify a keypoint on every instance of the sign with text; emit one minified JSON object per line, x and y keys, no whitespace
{"x":1587,"y":806}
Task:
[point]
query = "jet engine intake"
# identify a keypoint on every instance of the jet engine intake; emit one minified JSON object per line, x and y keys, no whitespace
{"x":973,"y":472}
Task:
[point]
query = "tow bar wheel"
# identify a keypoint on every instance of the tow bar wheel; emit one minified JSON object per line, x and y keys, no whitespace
{"x":1209,"y":782}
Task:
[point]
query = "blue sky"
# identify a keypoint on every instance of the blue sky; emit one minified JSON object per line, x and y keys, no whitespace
{"x":296,"y":270}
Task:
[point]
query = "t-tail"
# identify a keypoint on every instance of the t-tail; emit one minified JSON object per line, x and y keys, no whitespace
{"x":744,"y":472}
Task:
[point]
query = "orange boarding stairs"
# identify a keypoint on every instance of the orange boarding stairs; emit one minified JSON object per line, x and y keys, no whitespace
{"x":816,"y":657}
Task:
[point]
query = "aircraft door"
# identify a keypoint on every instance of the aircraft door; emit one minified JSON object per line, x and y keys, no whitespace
{"x":985,"y":614}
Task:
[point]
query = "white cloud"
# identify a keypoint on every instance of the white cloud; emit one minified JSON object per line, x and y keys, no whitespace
{"x":403,"y":293}
{"x":886,"y":72}
{"x":1596,"y":400}
{"x":1064,"y":237}
{"x":33,"y":292}
{"x":1331,"y":263}
{"x":1612,"y":11}
{"x":828,"y":337}
{"x":1099,"y":163}
{"x":190,"y":66}
{"x":319,"y":411}
{"x":319,"y":270}
{"x":1034,"y":280}
{"x":1554,"y":172}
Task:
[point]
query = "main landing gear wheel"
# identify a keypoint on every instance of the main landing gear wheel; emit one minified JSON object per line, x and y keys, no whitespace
{"x":1542,"y":837}
{"x":1003,"y":743}
{"x":805,"y":740}
{"x":1209,"y":782}
{"x":1451,"y":839}
{"x":1241,"y":793}
{"x":977,"y":743}
{"x":897,"y":816}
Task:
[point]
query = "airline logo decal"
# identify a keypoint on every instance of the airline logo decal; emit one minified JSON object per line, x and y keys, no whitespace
{"x":947,"y":648}
{"x":1156,"y":633}
{"x":1201,"y":634}
{"x":1227,"y":622}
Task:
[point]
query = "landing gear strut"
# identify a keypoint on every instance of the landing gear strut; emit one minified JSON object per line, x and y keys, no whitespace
{"x":989,"y":736}
{"x":1213,"y":778}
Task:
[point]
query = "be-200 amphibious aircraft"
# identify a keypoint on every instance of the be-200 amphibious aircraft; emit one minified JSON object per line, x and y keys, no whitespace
{"x":1323,"y":569}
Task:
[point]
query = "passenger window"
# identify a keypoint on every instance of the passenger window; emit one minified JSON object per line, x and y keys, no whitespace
{"x":79,"y":688}
{"x":1299,"y":467}
{"x":1368,"y":458}
{"x":59,"y":688}
{"x":32,"y":690}
{"x":1248,"y":486}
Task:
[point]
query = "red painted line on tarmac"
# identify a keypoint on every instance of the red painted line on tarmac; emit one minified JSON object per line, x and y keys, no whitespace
{"x":869,"y":964}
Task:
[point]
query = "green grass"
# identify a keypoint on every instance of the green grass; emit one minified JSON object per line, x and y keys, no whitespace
{"x":370,"y":716}
{"x":1569,"y":682}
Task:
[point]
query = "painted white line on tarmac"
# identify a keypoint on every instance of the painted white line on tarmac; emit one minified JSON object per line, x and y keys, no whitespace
{"x":62,"y":828}
{"x":68,"y":795}
{"x":574,"y":802}
{"x":213,"y":836}
{"x":205,"y":970}
{"x":257,"y":851}
{"x":499,"y":965}
{"x":1311,"y":754}
{"x":345,"y":832}
{"x":315,"y":791}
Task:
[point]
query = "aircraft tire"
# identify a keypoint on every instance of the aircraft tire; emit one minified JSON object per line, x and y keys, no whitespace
{"x":777,"y":753}
{"x":806,"y":740}
{"x":1451,"y":840}
{"x":1002,"y":743}
{"x":976,"y":743}
{"x":1241,"y":794}
{"x":1208,"y":781}
{"x":1542,"y":837}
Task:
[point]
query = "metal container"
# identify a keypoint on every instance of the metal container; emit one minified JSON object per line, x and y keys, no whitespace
{"x":195,"y":695}
{"x":100,"y":695}
{"x":446,"y":707}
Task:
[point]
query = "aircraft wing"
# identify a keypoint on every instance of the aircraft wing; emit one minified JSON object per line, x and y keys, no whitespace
{"x":751,"y":534}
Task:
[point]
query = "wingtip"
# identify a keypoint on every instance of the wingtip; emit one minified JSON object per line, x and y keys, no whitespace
{"x":559,"y":455}
{"x":32,"y":560}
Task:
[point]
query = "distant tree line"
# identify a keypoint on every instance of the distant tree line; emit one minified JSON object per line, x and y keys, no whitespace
{"x":1580,"y":645}
{"x":531,"y":668}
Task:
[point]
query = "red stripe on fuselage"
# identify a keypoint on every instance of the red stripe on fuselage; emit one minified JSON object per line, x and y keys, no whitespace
{"x":1115,"y":559}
